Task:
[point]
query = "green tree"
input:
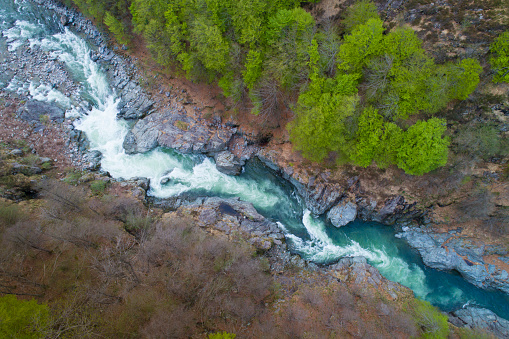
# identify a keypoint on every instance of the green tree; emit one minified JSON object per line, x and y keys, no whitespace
{"x":500,"y":58}
{"x":376,"y":140}
{"x":116,"y":27}
{"x":423,"y":147}
{"x":22,"y":319}
{"x":209,"y":45}
{"x":321,"y":123}
{"x":358,"y":14}
{"x":361,"y":45}
{"x":463,"y":78}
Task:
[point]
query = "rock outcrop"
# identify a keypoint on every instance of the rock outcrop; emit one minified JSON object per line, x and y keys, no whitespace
{"x":235,"y":217}
{"x":228,"y":163}
{"x":450,"y":251}
{"x":173,"y":130}
{"x":357,"y":270}
{"x":476,"y":317}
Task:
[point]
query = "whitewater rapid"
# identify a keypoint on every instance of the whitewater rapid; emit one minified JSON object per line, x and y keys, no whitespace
{"x":172,"y":174}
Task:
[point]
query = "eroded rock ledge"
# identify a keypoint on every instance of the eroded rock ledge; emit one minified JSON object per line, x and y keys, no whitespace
{"x":452,"y":251}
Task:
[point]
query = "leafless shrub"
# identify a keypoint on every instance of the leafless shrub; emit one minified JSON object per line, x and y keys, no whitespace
{"x":267,"y":98}
{"x":377,"y":76}
{"x":62,"y":199}
{"x":75,"y":318}
{"x":479,"y":205}
{"x":329,"y":46}
{"x":312,"y":297}
{"x":177,"y":323}
{"x":28,"y":235}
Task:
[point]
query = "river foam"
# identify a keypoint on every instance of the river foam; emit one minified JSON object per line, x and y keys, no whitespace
{"x":172,"y":174}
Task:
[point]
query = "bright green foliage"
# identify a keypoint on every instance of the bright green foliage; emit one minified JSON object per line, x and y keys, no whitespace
{"x":209,"y":45}
{"x":365,"y":42}
{"x":253,"y":69}
{"x":222,"y":335}
{"x":359,"y":14}
{"x":322,"y":124}
{"x":423,"y":147}
{"x":116,"y":27}
{"x":432,"y":322}
{"x":500,"y":58}
{"x":402,"y":44}
{"x":377,"y":140}
{"x":22,"y":319}
{"x":464,"y":78}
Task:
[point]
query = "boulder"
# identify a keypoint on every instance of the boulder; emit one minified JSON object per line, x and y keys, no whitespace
{"x":34,"y":109}
{"x":228,"y":163}
{"x":342,"y":214}
{"x":93,"y":160}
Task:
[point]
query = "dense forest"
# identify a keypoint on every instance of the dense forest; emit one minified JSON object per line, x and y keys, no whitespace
{"x":364,"y":93}
{"x":360,"y":92}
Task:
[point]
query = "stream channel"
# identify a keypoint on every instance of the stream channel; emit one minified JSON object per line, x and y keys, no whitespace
{"x":312,"y":237}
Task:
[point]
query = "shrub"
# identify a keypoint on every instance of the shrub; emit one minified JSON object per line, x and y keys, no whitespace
{"x":359,"y":14}
{"x":500,"y":58}
{"x":222,"y":335}
{"x":22,"y":319}
{"x":98,"y":186}
{"x":430,"y":320}
{"x":480,"y":140}
{"x":9,"y":213}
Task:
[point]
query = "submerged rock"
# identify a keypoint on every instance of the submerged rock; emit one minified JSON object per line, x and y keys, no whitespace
{"x":342,"y":214}
{"x":228,"y":163}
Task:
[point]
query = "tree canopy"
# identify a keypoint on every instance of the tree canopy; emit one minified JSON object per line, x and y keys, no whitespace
{"x":500,"y":58}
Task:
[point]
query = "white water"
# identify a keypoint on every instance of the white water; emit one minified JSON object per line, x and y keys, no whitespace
{"x":185,"y":173}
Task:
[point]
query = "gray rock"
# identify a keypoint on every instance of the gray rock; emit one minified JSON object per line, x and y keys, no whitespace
{"x":44,"y":160}
{"x":446,"y":251}
{"x":476,"y":317}
{"x":25,"y":169}
{"x":171,"y":130}
{"x":233,"y":216}
{"x":228,"y":163}
{"x":342,"y":214}
{"x":93,"y":160}
{"x":134,"y":104}
{"x":33,"y":110}
{"x":17,"y":152}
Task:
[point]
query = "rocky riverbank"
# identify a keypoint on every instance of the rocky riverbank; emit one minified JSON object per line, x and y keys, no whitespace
{"x":164,"y":122}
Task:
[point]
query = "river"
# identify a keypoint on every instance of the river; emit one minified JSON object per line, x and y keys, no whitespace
{"x":312,"y":237}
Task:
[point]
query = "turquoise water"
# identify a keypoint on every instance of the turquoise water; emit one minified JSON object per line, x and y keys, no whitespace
{"x":310,"y":236}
